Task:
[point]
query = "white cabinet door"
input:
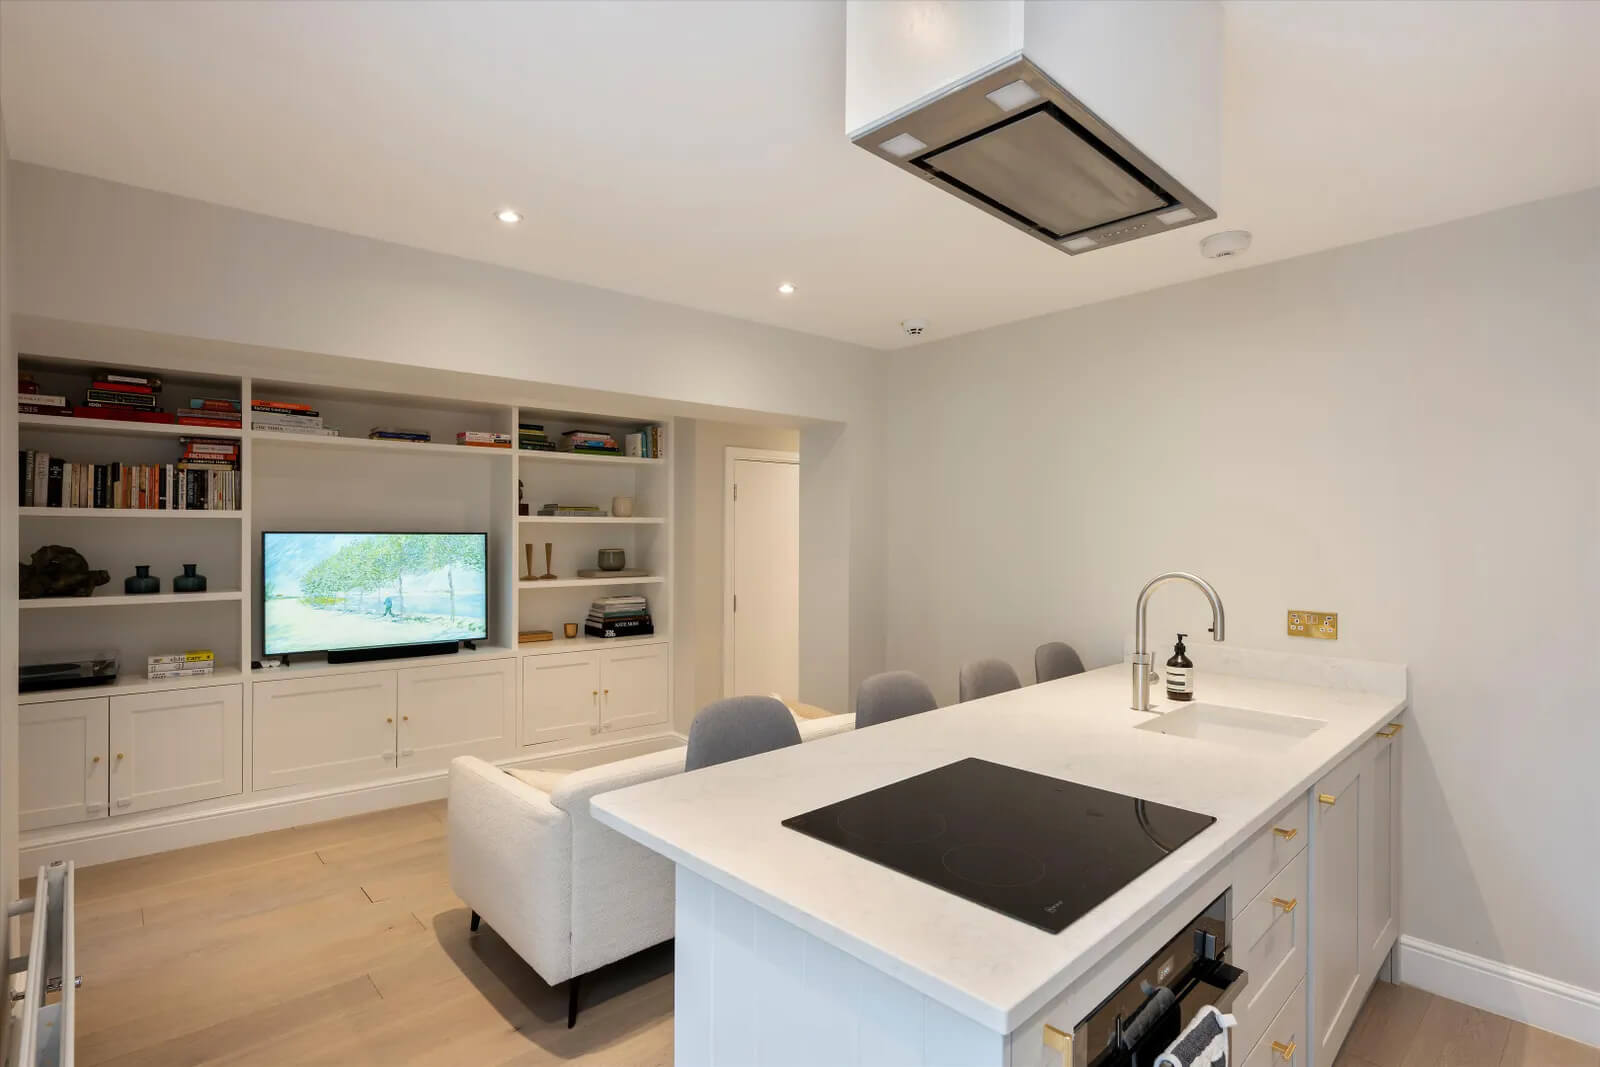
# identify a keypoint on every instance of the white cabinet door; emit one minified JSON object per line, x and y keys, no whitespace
{"x":1380,"y":859}
{"x":1337,"y":983}
{"x":633,"y":687}
{"x":62,"y":764}
{"x":176,"y":748}
{"x":560,"y":697}
{"x":460,"y":709}
{"x":330,"y":730}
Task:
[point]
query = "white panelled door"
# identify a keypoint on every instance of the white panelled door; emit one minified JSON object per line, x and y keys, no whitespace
{"x":762,"y":616}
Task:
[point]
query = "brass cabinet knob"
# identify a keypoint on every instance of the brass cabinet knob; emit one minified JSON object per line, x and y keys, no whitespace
{"x":120,"y":756}
{"x":1286,"y":1051}
{"x":1287,"y":833}
{"x":1327,"y":798}
{"x":607,"y":692}
{"x":95,"y":759}
{"x":389,"y":718}
{"x":405,"y":718}
{"x":1286,"y":905}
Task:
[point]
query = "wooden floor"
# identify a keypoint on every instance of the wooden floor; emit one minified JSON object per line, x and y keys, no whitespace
{"x":341,"y":943}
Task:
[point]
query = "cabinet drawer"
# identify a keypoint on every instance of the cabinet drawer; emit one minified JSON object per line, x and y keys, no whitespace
{"x":1284,"y":1042}
{"x":1269,"y":942}
{"x":1267,"y":853}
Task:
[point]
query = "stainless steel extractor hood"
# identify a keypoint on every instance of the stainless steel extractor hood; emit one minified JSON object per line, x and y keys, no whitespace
{"x":1016,"y":144}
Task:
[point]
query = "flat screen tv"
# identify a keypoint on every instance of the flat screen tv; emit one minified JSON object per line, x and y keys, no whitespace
{"x":339,"y":592}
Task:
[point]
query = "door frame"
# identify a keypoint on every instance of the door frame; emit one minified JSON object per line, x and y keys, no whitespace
{"x":730,"y":455}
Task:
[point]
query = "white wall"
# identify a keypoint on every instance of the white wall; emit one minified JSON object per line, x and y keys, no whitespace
{"x":97,"y":252}
{"x":699,"y":585}
{"x":1404,"y":431}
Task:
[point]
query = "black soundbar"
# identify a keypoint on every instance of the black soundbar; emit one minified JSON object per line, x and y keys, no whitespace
{"x":363,"y":655}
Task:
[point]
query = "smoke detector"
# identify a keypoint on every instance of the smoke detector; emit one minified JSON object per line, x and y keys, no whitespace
{"x":1224,"y":244}
{"x":914,"y":327}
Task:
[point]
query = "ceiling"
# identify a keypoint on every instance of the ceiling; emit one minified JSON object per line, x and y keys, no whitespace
{"x":694,"y":152}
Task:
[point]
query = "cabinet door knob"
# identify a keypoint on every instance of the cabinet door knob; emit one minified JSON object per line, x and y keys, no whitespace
{"x":94,"y":759}
{"x":1287,"y":833}
{"x":1327,"y":798}
{"x":405,"y":718}
{"x":389,"y":719}
{"x":1286,"y":1051}
{"x":1286,"y":905}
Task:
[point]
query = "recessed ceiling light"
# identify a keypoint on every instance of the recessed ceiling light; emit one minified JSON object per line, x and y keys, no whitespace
{"x":1012,"y":96}
{"x":509,"y":216}
{"x":786,"y":288}
{"x":903,"y":145}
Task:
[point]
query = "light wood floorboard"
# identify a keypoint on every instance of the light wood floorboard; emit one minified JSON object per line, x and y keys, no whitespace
{"x":341,"y":943}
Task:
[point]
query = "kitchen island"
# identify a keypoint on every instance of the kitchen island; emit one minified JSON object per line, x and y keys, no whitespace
{"x":790,"y":950}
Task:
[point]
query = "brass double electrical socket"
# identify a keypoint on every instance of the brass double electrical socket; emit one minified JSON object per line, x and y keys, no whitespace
{"x":1323,"y":625}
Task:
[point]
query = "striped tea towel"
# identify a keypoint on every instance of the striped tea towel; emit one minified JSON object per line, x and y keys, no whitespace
{"x":1203,"y":1044}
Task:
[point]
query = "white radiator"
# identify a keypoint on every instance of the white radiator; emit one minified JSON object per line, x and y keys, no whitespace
{"x":44,"y":1025}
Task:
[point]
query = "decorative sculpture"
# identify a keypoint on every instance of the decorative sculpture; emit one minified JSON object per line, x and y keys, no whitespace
{"x":56,"y":570}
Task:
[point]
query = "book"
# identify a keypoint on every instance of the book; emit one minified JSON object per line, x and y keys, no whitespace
{"x":41,"y":479}
{"x":122,"y":387}
{"x":42,"y":400}
{"x":396,"y":433}
{"x":483,"y":435}
{"x":161,"y":674}
{"x":281,"y":405}
{"x":591,"y":630}
{"x":221,"y":423}
{"x":25,"y":408}
{"x":115,"y":396}
{"x":270,"y":418}
{"x":212,"y":403}
{"x":128,"y":378}
{"x":198,"y":655}
{"x":122,"y":414}
{"x":53,"y":476}
{"x":312,"y":431}
{"x":528,"y":637}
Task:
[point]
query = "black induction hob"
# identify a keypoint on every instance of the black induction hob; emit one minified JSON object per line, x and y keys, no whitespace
{"x":1040,"y":849}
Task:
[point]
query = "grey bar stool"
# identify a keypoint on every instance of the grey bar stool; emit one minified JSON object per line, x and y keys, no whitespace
{"x":892,"y":695}
{"x":1056,"y":659}
{"x":985,"y":678}
{"x":738,"y":727}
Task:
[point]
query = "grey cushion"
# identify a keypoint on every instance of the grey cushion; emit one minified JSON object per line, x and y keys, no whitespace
{"x":986,"y":677}
{"x":738,"y":727}
{"x":1056,"y":659}
{"x":892,"y":695}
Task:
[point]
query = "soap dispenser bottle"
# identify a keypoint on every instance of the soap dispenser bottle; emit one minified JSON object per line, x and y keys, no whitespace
{"x":1180,"y":673}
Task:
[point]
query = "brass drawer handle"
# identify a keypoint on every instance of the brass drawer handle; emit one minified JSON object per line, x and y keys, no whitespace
{"x":1327,"y":798}
{"x":1286,"y":1051}
{"x":1390,"y":730}
{"x":1059,"y":1042}
{"x":1286,"y":905}
{"x":1287,"y":833}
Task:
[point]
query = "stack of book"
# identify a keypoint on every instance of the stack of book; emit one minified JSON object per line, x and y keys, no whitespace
{"x":646,"y":444}
{"x":590,"y":442}
{"x":124,"y":397}
{"x":205,"y":478}
{"x":483,"y":439}
{"x":586,"y":511}
{"x":220,"y":412}
{"x":395,"y":433}
{"x":619,"y":616}
{"x":197,"y":664}
{"x":531,"y":438}
{"x":280,"y":416}
{"x":31,"y":401}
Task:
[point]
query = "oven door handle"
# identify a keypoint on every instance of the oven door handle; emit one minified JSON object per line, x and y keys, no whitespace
{"x":1235,"y":980}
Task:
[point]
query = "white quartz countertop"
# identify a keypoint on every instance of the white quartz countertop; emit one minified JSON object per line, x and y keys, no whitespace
{"x":724,"y":824}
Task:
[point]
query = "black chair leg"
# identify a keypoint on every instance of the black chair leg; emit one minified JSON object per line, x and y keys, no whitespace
{"x":572,"y":1001}
{"x":476,"y":919}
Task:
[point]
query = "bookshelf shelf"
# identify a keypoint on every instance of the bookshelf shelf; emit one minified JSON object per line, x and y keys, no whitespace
{"x":583,"y":520}
{"x":365,"y":444}
{"x":123,"y":513}
{"x":114,"y":600}
{"x":559,"y":644}
{"x":130,"y":685}
{"x":579,"y":583}
{"x":573,"y":457}
{"x":117,"y":428}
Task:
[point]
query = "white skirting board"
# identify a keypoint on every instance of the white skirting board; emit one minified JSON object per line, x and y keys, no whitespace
{"x":107,"y":841}
{"x":1546,"y":1003}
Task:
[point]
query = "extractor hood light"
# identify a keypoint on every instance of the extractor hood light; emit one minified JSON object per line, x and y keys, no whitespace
{"x":1079,"y":244}
{"x":1172,"y":218}
{"x":903,"y":145}
{"x":509,"y":216}
{"x":787,"y":288}
{"x":1012,"y":96}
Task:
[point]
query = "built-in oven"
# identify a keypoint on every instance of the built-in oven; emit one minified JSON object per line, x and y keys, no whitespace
{"x":1139,"y":1021}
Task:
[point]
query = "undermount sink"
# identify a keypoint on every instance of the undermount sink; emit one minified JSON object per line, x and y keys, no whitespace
{"x":1238,"y":727}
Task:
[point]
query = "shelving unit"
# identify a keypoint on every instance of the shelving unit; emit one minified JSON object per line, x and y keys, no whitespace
{"x":476,"y":701}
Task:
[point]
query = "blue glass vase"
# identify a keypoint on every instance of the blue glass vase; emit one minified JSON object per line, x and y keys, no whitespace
{"x":141,"y":581}
{"x":189,"y":581}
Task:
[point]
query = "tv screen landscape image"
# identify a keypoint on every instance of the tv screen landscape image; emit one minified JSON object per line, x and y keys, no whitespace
{"x":339,"y":591}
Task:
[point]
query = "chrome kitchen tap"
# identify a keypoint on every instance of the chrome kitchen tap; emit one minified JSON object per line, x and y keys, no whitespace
{"x":1143,"y":658}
